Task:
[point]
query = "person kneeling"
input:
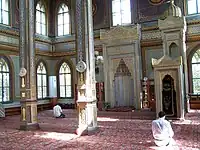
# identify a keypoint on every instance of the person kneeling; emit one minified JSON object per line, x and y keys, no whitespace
{"x":57,"y":112}
{"x":162,"y":131}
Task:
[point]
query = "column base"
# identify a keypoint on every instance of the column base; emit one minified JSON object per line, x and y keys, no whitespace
{"x":86,"y":131}
{"x":30,"y":127}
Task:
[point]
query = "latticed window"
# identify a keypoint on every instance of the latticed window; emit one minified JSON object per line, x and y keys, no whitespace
{"x":193,"y":6}
{"x":65,"y":80}
{"x":121,"y":12}
{"x":63,"y":20}
{"x":4,"y":16}
{"x":40,"y":19}
{"x":196,"y":71}
{"x":4,"y":81}
{"x":41,"y":81}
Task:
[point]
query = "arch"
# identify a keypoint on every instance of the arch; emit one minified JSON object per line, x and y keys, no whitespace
{"x":7,"y":78}
{"x":191,"y":52}
{"x":41,"y":80}
{"x":41,"y":17}
{"x":195,"y":72}
{"x":68,"y":64}
{"x":169,"y":100}
{"x":63,"y":25}
{"x":173,"y":50}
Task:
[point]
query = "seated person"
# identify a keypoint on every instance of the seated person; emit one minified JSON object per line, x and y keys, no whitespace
{"x":57,"y":111}
{"x":162,"y":131}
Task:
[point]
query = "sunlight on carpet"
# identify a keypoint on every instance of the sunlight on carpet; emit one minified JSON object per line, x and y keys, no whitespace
{"x":106,"y":119}
{"x":57,"y":136}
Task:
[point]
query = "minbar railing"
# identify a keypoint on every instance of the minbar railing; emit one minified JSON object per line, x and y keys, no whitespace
{"x":2,"y":111}
{"x":194,"y":100}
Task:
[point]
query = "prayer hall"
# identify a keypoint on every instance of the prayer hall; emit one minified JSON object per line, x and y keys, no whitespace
{"x":110,"y":65}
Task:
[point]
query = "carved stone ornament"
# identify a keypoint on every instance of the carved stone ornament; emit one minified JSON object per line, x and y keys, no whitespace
{"x":166,"y":61}
{"x":172,"y":22}
{"x":22,"y":72}
{"x":81,"y":66}
{"x":120,"y":33}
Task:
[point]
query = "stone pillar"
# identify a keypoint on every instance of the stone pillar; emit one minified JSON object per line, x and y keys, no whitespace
{"x":28,"y":119}
{"x":86,"y":102}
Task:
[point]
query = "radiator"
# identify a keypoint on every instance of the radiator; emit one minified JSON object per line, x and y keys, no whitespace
{"x":2,"y":110}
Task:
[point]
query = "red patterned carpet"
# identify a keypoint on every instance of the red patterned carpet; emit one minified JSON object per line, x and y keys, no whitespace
{"x":117,"y":131}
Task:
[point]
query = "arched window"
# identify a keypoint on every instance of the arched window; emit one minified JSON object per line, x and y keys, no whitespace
{"x":193,"y":6}
{"x":4,"y":81}
{"x":121,"y":12}
{"x":196,"y":72}
{"x":65,"y":80}
{"x":4,"y":16}
{"x":63,"y":20}
{"x":41,"y":81}
{"x":40,"y":19}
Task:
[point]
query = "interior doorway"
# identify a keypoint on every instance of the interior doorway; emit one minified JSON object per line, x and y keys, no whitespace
{"x":169,"y":97}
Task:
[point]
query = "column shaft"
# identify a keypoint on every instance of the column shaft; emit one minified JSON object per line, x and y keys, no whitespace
{"x":86,"y":79}
{"x":27,"y":65}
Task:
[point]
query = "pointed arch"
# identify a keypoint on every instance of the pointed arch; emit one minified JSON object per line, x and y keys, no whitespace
{"x":5,"y":80}
{"x":65,"y":79}
{"x":41,"y":21}
{"x":195,"y":62}
{"x":41,"y":80}
{"x":63,"y":20}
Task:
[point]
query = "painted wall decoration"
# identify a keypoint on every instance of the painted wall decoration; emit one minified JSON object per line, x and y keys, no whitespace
{"x":100,"y":14}
{"x":94,"y":8}
{"x":149,"y":10}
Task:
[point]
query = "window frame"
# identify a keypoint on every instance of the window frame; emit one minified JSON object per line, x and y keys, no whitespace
{"x":42,"y":3}
{"x":8,"y":62}
{"x":47,"y":88}
{"x":197,"y":7}
{"x":191,"y":74}
{"x":69,"y":13}
{"x":131,"y":15}
{"x":9,"y":12}
{"x":58,"y":79}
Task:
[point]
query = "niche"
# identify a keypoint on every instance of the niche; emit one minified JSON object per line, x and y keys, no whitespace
{"x":169,"y":96}
{"x":123,"y":85}
{"x":173,"y":51}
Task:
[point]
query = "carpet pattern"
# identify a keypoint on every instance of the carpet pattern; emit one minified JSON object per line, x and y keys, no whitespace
{"x":117,"y":131}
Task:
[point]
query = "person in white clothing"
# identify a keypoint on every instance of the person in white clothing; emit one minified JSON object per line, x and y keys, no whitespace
{"x":57,"y":112}
{"x":162,"y":131}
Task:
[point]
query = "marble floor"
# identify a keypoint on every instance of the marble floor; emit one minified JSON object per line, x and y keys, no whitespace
{"x":117,"y":131}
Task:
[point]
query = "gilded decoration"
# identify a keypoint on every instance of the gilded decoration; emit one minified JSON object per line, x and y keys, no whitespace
{"x":156,"y":2}
{"x":120,"y":33}
{"x":166,"y":61}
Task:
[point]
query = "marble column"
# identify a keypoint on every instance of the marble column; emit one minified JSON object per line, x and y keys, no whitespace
{"x":28,"y":120}
{"x":86,"y":68}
